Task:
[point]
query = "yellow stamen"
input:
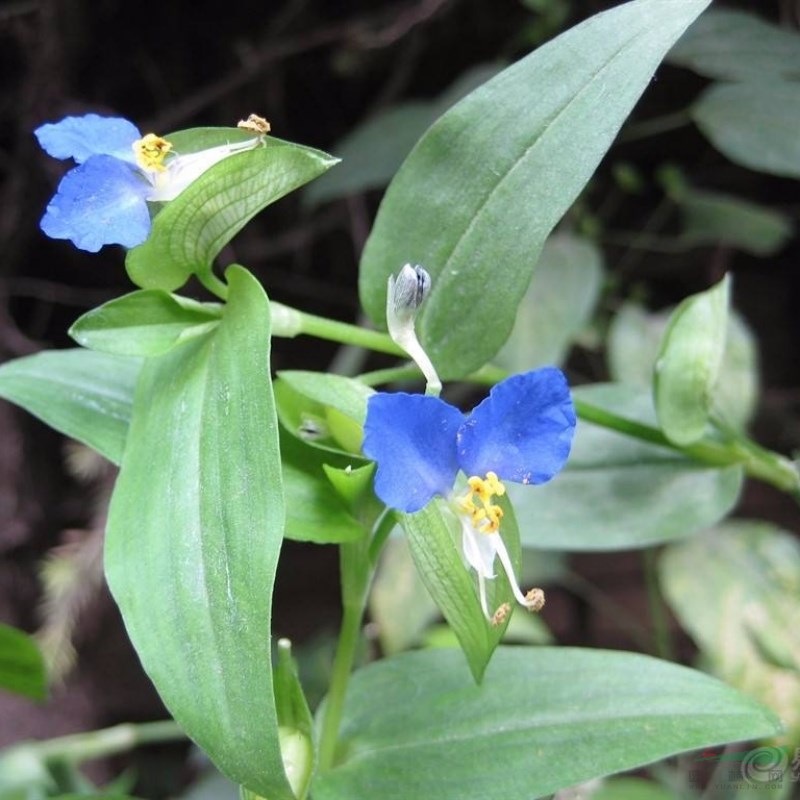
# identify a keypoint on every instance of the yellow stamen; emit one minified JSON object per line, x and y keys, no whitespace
{"x":486,"y":516}
{"x":150,"y":152}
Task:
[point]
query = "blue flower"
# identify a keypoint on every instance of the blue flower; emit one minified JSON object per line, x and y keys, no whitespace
{"x":522,"y":432}
{"x":103,"y":200}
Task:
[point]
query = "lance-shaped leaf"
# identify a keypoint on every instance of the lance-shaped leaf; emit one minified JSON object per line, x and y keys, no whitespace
{"x":80,"y":393}
{"x":477,"y":197}
{"x":543,"y":719}
{"x":191,"y":230}
{"x":195,"y":528}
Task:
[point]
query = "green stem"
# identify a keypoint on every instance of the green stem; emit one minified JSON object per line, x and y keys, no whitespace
{"x":79,"y":747}
{"x":213,"y":283}
{"x":290,"y":322}
{"x":658,"y":613}
{"x":355,"y":575}
{"x":379,"y":377}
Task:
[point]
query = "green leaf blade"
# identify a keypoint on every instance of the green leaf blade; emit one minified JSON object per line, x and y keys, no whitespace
{"x":194,"y":532}
{"x":80,"y":393}
{"x":145,"y":323}
{"x":517,"y":734}
{"x":479,"y":215}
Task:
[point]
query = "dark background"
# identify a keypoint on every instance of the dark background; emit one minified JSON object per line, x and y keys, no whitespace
{"x":315,"y":69}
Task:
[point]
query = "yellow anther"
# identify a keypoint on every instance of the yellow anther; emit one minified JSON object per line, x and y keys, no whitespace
{"x":486,"y":516}
{"x":150,"y":152}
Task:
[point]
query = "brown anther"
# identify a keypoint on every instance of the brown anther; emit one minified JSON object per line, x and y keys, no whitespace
{"x":255,"y":124}
{"x":499,"y":616}
{"x":534,"y":600}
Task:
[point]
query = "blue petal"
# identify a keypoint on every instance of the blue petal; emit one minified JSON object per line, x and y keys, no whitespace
{"x":99,"y":202}
{"x":522,"y":430}
{"x":90,"y":135}
{"x":413,"y":439}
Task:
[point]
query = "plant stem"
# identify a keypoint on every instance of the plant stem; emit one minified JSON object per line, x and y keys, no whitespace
{"x":213,"y":283}
{"x":658,"y":613}
{"x":290,"y":322}
{"x":79,"y":747}
{"x":355,"y":576}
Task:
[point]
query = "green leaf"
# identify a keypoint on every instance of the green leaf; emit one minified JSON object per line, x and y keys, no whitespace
{"x":689,"y":363}
{"x":633,"y":344}
{"x":81,"y":394}
{"x":192,"y":229}
{"x":618,"y":492}
{"x":194,"y":531}
{"x":21,"y":664}
{"x":145,"y":323}
{"x":373,"y":152}
{"x":558,"y":304}
{"x":314,"y":510}
{"x":712,"y":218}
{"x":481,"y":191}
{"x":734,"y":45}
{"x":736,"y":590}
{"x":451,"y":583}
{"x":346,"y":395}
{"x":543,"y":719}
{"x":753,"y":124}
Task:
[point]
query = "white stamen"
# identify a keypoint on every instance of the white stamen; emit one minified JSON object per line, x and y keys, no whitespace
{"x":182,"y":171}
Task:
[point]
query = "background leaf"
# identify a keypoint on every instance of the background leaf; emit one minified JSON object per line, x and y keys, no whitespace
{"x":733,"y":45}
{"x":753,"y":124}
{"x":373,"y":152}
{"x":21,"y":664}
{"x":434,"y":734}
{"x":82,"y":394}
{"x":480,"y":214}
{"x":737,"y":591}
{"x":194,"y":531}
{"x":188,"y":234}
{"x":713,"y":218}
{"x":557,"y":305}
{"x":620,"y":493}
